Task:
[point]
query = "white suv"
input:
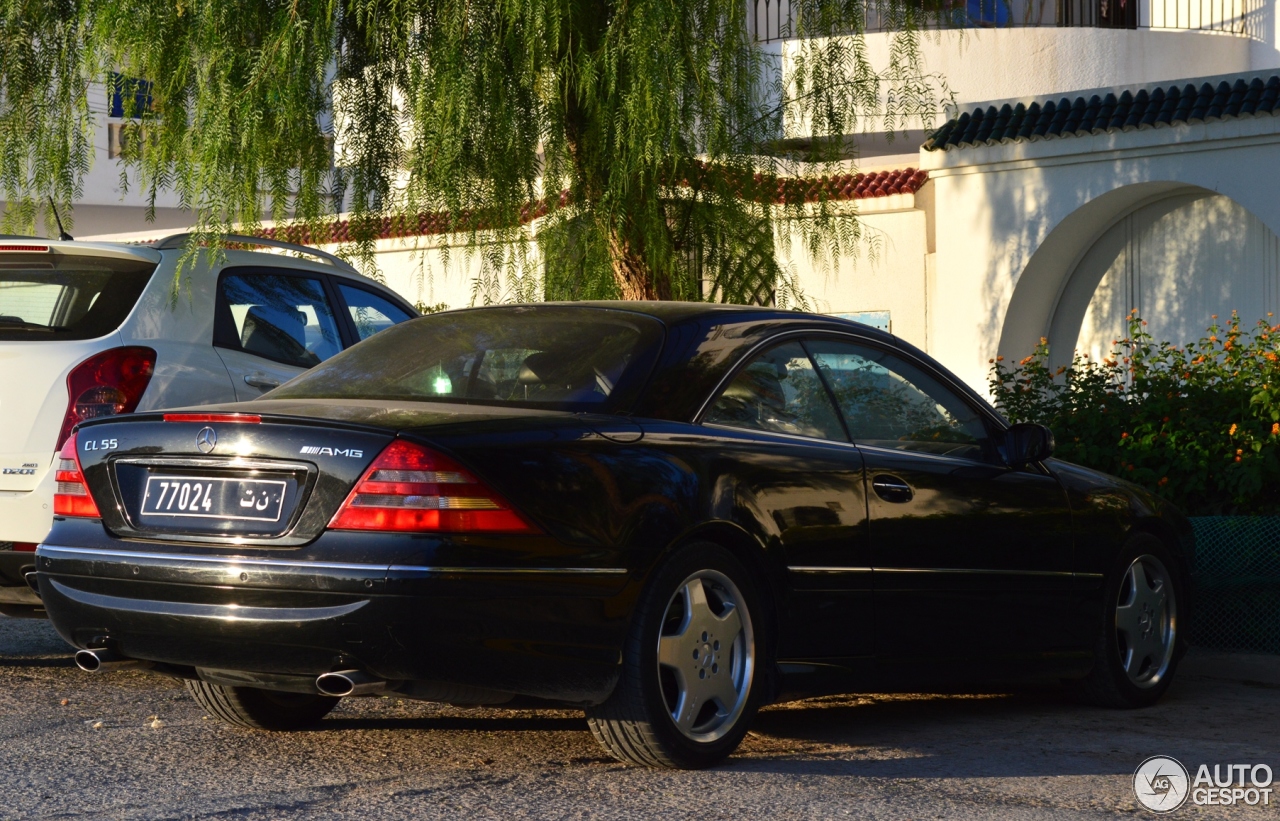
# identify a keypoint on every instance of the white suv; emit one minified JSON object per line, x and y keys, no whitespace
{"x":89,"y":329}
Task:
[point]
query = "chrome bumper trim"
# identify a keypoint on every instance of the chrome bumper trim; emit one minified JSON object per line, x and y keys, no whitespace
{"x":220,"y":612}
{"x":87,"y":554}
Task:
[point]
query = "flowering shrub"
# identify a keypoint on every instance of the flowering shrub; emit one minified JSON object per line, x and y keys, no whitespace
{"x":1197,"y":424}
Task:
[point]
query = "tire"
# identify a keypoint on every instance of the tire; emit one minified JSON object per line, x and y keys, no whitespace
{"x":660,"y":715}
{"x":1141,"y":641}
{"x":260,"y":709}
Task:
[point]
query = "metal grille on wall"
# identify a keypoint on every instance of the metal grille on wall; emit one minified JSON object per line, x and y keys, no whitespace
{"x":775,"y":20}
{"x":1237,"y":575}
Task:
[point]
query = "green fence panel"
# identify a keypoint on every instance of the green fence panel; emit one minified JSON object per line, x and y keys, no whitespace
{"x":1237,"y":578}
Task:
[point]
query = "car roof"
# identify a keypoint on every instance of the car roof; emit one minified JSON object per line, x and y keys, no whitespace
{"x":672,"y":313}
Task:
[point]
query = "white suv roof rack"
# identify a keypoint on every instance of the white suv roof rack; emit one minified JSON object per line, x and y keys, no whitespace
{"x":177,"y":241}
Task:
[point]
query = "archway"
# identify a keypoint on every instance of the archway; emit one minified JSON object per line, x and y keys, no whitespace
{"x":1179,"y":260}
{"x":1168,"y":240}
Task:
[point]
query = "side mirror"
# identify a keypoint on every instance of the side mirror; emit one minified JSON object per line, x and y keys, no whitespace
{"x":1027,"y":442}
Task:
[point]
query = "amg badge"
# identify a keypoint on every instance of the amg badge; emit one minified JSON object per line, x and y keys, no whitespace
{"x":352,"y":452}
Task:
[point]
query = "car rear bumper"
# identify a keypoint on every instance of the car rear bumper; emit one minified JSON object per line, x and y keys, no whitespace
{"x":553,"y":633}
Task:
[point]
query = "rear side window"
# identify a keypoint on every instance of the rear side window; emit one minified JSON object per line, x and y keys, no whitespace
{"x":280,"y":317}
{"x":62,"y":296}
{"x":778,"y":391}
{"x":371,"y":313}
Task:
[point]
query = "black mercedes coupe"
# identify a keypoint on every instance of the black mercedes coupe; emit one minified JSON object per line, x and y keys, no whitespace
{"x":665,"y":514}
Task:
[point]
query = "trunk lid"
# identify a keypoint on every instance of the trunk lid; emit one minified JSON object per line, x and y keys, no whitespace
{"x":276,"y":482}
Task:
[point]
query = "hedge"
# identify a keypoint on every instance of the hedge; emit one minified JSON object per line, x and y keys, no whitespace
{"x":1198,"y":424}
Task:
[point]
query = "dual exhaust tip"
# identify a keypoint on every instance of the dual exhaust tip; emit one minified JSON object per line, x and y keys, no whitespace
{"x":339,"y":685}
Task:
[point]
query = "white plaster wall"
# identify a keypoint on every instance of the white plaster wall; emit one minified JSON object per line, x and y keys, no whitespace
{"x":892,"y":278}
{"x":1021,"y":215}
{"x":993,"y":64}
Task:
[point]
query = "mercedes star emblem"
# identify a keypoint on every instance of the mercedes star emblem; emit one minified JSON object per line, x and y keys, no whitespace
{"x":206,"y":440}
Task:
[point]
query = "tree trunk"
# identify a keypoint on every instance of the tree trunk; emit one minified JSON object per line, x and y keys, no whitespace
{"x":635,"y":278}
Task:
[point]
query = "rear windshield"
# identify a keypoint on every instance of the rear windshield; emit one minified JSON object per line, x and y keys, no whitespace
{"x":538,"y":357}
{"x":61,"y":296}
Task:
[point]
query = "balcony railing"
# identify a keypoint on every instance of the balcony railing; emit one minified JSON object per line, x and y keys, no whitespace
{"x":776,"y":19}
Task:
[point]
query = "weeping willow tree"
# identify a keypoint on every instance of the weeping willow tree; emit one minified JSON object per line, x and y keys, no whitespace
{"x":648,"y":139}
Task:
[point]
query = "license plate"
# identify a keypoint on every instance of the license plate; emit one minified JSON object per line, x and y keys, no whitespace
{"x":204,"y":497}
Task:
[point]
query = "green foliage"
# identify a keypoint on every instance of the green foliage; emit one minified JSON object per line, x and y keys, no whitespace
{"x":662,"y":122}
{"x":1198,"y":424}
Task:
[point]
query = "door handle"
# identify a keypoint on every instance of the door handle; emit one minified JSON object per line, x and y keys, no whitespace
{"x":258,"y":380}
{"x":891,"y":488}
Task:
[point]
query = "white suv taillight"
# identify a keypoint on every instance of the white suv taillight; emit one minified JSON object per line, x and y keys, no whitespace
{"x":107,"y":383}
{"x":410,"y":488}
{"x":71,"y":497}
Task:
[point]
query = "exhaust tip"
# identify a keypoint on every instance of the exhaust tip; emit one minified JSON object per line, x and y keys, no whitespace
{"x":88,"y":661}
{"x":349,"y":683}
{"x":335,"y":684}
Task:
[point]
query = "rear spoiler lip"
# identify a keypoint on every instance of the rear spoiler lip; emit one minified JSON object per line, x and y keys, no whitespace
{"x":267,"y":418}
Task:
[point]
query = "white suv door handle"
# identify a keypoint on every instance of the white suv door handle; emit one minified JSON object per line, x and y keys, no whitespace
{"x":259,"y":380}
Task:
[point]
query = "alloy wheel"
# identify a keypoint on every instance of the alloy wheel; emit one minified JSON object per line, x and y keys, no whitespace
{"x":1146,"y":621}
{"x":706,"y":656}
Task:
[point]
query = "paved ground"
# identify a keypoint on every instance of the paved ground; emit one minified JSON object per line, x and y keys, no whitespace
{"x":74,"y":745}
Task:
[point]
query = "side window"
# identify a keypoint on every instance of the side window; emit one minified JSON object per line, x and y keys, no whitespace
{"x":283,"y":318}
{"x":778,"y":391}
{"x":370,"y":312}
{"x":889,"y":402}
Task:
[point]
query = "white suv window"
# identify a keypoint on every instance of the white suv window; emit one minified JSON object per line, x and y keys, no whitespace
{"x":369,"y":312}
{"x":280,"y":317}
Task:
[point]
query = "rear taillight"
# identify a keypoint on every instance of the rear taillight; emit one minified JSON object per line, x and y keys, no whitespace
{"x":410,"y":488}
{"x":71,"y":498}
{"x":107,"y":383}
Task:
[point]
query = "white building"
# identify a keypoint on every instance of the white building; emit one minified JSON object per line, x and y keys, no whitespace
{"x":1054,"y":229}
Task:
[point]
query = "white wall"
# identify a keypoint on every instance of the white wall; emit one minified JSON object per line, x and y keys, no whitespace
{"x":1014,"y":220}
{"x":994,"y":64}
{"x":889,"y":275}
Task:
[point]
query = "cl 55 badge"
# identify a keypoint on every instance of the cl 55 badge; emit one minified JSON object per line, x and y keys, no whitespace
{"x":315,"y":451}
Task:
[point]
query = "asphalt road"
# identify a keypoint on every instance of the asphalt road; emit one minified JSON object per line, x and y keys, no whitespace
{"x":131,"y":745}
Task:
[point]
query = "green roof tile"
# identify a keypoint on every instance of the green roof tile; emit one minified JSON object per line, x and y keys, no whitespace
{"x":1154,"y":108}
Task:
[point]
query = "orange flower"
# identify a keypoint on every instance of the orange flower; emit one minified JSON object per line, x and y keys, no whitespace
{"x":1239,"y":452}
{"x":1237,"y":458}
{"x":1164,"y":480}
{"x":1232,"y":432}
{"x":1124,"y":436}
{"x":999,"y":358}
{"x":1275,"y":429}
